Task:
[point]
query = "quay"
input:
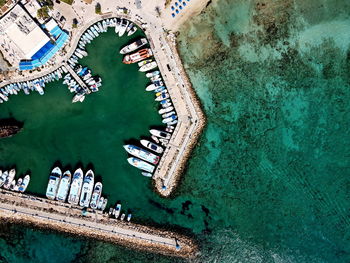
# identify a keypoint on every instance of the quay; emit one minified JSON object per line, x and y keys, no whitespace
{"x":63,"y":217}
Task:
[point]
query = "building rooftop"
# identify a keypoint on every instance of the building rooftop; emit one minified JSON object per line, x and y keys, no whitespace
{"x":20,"y":30}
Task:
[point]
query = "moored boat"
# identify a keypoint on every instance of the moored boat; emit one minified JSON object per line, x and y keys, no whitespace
{"x":96,"y":195}
{"x":141,"y":153}
{"x":54,"y":181}
{"x":123,"y":26}
{"x":165,"y":110}
{"x":152,"y":74}
{"x":86,"y":192}
{"x":75,"y":189}
{"x":151,"y":87}
{"x":100,"y":202}
{"x":162,"y":96}
{"x":138,"y":56}
{"x":160,"y":134}
{"x":133,"y":46}
{"x":117,"y":210}
{"x":152,"y":146}
{"x":148,"y":66}
{"x":63,"y":188}
{"x":9,"y":179}
{"x":19,"y":183}
{"x":105,"y":201}
{"x":141,"y":164}
{"x":3,"y":178}
{"x":24,"y":183}
{"x":146,"y":174}
{"x":129,"y":217}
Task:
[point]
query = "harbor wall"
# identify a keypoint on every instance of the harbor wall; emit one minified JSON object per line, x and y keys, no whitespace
{"x":45,"y":214}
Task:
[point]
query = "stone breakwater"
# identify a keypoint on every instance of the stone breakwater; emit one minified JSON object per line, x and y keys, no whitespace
{"x":195,"y":122}
{"x":46,"y":214}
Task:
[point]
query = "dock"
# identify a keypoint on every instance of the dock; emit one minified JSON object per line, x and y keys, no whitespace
{"x":63,"y":217}
{"x":77,"y":78}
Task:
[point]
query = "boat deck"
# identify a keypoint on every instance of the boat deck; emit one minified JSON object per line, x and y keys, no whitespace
{"x":24,"y":208}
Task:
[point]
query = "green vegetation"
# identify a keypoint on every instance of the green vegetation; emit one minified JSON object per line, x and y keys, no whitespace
{"x":69,"y":2}
{"x":2,"y":2}
{"x":98,"y":8}
{"x":43,"y":12}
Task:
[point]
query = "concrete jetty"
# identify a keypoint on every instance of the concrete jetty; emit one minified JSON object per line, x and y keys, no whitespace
{"x":63,"y":217}
{"x":77,"y":78}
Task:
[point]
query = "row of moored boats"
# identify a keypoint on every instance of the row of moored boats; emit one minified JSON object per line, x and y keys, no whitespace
{"x":8,"y":181}
{"x":34,"y":85}
{"x":76,"y":188}
{"x":147,"y":156}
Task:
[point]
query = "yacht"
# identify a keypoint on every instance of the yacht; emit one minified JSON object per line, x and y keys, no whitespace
{"x":160,"y":134}
{"x":152,"y":146}
{"x":63,"y":188}
{"x":86,"y":191}
{"x":138,"y":56}
{"x":54,"y":181}
{"x":75,"y":189}
{"x":133,"y":46}
{"x":96,"y":195}
{"x":141,"y":153}
{"x":141,"y":164}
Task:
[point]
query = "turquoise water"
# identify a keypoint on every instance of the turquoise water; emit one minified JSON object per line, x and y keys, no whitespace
{"x":268,"y":181}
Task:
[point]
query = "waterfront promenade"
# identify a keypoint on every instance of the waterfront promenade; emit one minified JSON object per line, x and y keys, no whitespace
{"x":44,"y":213}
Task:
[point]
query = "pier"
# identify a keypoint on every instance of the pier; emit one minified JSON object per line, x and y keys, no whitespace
{"x":63,"y":217}
{"x":77,"y":78}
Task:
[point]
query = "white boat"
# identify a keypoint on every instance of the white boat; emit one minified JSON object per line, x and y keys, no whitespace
{"x":144,"y":62}
{"x":117,"y":210}
{"x":165,"y":110}
{"x":117,"y":26}
{"x":86,"y":191}
{"x":129,"y":217}
{"x":9,"y":179}
{"x":96,"y":195}
{"x":162,"y":96}
{"x":151,"y":87}
{"x":19,"y":183}
{"x":133,"y":46}
{"x":54,"y":181}
{"x":168,"y":114}
{"x":132,"y":31}
{"x":123,"y":27}
{"x":146,"y":174}
{"x":169,"y":119}
{"x":160,"y":134}
{"x":172,"y":123}
{"x":122,"y":217}
{"x":24,"y":184}
{"x":63,"y":188}
{"x":100,"y":202}
{"x":3,"y":177}
{"x":130,"y":26}
{"x":152,"y":146}
{"x":148,"y":66}
{"x":154,"y":138}
{"x":78,"y":97}
{"x":75,"y":189}
{"x":105,"y":201}
{"x":141,"y":153}
{"x":136,"y":162}
{"x":152,"y":74}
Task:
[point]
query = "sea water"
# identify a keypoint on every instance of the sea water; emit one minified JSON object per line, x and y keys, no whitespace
{"x":268,"y":181}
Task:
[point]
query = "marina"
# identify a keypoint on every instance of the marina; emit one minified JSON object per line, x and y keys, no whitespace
{"x":150,"y":163}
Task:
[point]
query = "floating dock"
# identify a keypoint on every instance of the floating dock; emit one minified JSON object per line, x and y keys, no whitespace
{"x":63,"y":217}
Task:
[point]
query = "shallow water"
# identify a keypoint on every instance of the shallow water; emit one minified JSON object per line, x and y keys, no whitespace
{"x":269,"y":179}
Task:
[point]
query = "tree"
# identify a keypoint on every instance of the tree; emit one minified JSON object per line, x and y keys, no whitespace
{"x":43,"y":12}
{"x":98,"y":8}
